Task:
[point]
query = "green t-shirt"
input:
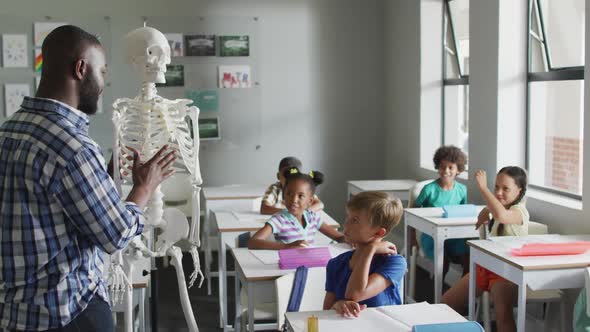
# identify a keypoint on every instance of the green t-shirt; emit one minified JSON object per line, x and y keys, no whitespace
{"x":432,"y":195}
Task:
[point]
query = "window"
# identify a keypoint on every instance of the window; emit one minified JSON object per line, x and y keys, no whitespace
{"x":455,"y":110}
{"x":555,"y":95}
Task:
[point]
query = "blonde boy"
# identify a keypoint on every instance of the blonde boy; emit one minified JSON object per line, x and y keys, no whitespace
{"x":371,"y":275}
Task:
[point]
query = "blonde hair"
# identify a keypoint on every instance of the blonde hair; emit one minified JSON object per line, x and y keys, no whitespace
{"x":383,"y":210}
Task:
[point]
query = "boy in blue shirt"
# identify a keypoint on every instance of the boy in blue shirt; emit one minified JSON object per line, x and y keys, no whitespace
{"x":371,"y":275}
{"x":449,"y":161}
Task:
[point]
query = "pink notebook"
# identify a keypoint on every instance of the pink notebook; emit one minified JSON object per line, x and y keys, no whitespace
{"x":310,"y":257}
{"x":546,"y":249}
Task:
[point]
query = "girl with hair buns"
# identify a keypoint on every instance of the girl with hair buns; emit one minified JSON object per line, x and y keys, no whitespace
{"x":296,"y":225}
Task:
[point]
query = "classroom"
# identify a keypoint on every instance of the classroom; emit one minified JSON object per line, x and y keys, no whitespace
{"x":294,"y":165}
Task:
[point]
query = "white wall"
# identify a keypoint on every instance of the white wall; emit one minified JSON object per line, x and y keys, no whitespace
{"x":322,"y":83}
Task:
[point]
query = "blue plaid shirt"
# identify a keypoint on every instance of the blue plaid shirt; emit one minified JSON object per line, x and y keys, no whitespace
{"x":59,"y":213}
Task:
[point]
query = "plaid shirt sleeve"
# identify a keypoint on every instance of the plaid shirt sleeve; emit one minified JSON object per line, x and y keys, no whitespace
{"x":89,"y":198}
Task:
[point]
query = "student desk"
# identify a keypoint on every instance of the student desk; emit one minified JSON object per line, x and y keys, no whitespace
{"x":398,"y":188}
{"x":230,"y":225}
{"x":536,"y":272}
{"x":250,"y":269}
{"x":382,"y":319}
{"x":431,"y":222}
{"x":240,"y":196}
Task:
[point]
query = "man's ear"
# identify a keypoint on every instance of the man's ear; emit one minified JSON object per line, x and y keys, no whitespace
{"x":80,"y":69}
{"x":278,"y":176}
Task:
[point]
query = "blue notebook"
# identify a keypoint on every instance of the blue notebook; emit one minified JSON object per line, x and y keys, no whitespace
{"x":459,"y":211}
{"x":449,"y":327}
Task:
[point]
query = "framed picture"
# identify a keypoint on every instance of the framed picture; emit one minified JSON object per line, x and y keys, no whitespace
{"x":13,"y":97}
{"x":38,"y":60}
{"x":174,"y":76}
{"x":234,"y":77}
{"x":42,"y":29}
{"x":234,"y":46}
{"x":209,"y":129}
{"x":14,"y":51}
{"x":200,"y":45}
{"x":205,"y":100}
{"x":176,"y":42}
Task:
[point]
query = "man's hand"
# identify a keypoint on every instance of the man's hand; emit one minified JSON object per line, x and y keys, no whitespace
{"x":151,"y":173}
{"x":147,"y":176}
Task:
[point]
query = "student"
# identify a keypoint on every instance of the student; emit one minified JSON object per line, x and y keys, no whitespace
{"x":509,"y":217}
{"x":371,"y":275}
{"x":296,"y":225}
{"x":272,"y":201}
{"x":449,"y":161}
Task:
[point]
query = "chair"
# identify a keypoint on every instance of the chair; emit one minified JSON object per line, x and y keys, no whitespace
{"x":542,"y":296}
{"x":313,"y":295}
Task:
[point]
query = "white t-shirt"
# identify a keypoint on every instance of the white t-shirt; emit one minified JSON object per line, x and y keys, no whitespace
{"x":514,"y":229}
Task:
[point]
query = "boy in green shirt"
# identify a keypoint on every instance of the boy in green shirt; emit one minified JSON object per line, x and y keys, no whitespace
{"x":449,"y":162}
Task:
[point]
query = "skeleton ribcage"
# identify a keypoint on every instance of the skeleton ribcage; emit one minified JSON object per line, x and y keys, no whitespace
{"x":147,"y":127}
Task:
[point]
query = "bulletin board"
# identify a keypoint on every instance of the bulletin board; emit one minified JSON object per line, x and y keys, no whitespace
{"x":238,"y":109}
{"x":97,"y":25}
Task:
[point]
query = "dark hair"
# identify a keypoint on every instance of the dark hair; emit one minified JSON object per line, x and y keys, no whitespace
{"x":289,"y":162}
{"x":450,"y":153}
{"x":313,"y":178}
{"x":63,"y":45}
{"x":520,"y":179}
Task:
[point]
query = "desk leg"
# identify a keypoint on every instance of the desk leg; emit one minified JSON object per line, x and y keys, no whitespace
{"x":208,"y":256}
{"x":222,"y":284}
{"x":237,"y":299}
{"x":471,"y":288}
{"x":408,"y":252}
{"x":439,"y":254}
{"x":521,"y":305}
{"x":250,"y":290}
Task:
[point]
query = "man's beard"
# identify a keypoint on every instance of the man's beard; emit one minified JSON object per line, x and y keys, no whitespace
{"x":89,"y":94}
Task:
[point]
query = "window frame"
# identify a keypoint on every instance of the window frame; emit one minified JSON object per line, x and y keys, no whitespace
{"x":463,"y":79}
{"x":568,"y":73}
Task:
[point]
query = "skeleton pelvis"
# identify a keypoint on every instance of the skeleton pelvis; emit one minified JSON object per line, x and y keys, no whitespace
{"x":176,"y":228}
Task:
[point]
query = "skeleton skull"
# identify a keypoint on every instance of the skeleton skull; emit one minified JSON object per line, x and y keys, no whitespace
{"x":148,"y":51}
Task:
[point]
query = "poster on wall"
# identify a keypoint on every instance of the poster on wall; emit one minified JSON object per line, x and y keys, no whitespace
{"x":209,"y":129}
{"x":14,"y":51}
{"x":38,"y":60}
{"x":174,"y":76}
{"x":234,"y":45}
{"x":205,"y":100}
{"x":42,"y":29}
{"x":13,"y":97}
{"x":234,"y":77}
{"x":200,"y":45}
{"x":176,"y":43}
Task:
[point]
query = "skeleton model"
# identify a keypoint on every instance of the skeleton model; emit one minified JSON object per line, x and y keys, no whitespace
{"x":147,"y":123}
